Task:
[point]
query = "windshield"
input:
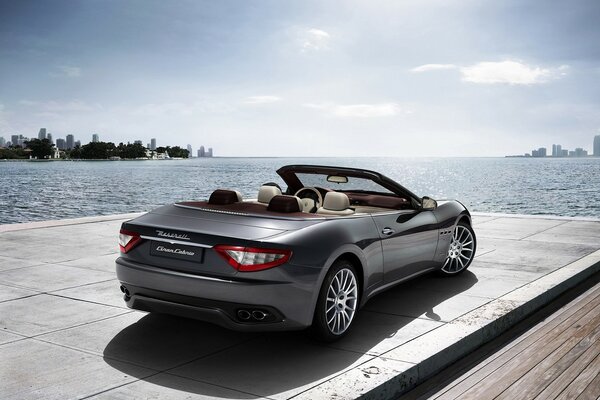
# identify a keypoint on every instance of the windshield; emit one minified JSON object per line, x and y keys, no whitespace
{"x":353,"y":184}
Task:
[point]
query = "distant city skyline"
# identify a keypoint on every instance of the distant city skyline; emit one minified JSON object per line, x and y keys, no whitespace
{"x":559,"y":151}
{"x":305,"y":78}
{"x":69,"y":141}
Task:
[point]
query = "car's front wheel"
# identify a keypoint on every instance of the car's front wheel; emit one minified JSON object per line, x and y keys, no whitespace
{"x":337,"y":303}
{"x":461,"y":250}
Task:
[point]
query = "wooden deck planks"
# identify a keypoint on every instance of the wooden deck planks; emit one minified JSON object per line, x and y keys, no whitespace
{"x":583,"y":380}
{"x":543,"y":374}
{"x":527,"y":359}
{"x":485,"y":375}
{"x":592,"y":391}
{"x":574,"y":379}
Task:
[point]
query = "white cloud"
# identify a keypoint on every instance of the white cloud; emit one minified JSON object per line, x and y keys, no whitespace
{"x":68,"y":71}
{"x":509,"y":72}
{"x":563,"y":70}
{"x":261,"y":99}
{"x":433,"y":67}
{"x":315,"y":40}
{"x":358,"y":110}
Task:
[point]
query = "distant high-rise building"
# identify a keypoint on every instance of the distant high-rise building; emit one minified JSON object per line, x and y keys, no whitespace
{"x":564,"y":153}
{"x":541,"y":152}
{"x":201,"y":152}
{"x":148,"y":145}
{"x":2,"y":141}
{"x":153,"y":144}
{"x":42,"y":134}
{"x":14,"y":140}
{"x":597,"y":146}
{"x":210,"y":154}
{"x":556,"y":150}
{"x":137,"y":142}
{"x":95,"y":138}
{"x":49,"y":137}
{"x":189,"y":149}
{"x":70,"y":142}
{"x":78,"y":143}
{"x":61,"y":144}
{"x":579,"y":152}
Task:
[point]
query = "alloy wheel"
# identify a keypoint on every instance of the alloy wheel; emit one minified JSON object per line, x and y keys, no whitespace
{"x":461,"y":251}
{"x":340,"y":305}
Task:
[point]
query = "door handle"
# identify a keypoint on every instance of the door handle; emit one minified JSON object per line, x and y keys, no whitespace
{"x":388,"y":231}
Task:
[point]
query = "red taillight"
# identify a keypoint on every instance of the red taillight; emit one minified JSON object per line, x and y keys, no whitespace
{"x":247,"y":259}
{"x":128,"y":240}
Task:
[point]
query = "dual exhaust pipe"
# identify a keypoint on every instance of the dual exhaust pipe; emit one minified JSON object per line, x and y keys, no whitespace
{"x":125,"y":291}
{"x":254,"y":315}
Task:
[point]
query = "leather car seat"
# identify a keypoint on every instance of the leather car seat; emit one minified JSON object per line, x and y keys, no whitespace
{"x":336,"y":203}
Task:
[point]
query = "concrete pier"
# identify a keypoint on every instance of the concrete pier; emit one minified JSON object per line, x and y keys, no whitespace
{"x":66,"y":333}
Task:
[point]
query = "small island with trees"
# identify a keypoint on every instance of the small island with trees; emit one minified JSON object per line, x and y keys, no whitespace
{"x":43,"y":149}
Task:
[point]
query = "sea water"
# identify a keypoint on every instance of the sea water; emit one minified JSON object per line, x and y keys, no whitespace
{"x":34,"y":191}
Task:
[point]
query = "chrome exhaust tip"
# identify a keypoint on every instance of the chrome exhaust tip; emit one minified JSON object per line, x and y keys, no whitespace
{"x":259,"y":315}
{"x":244,"y":315}
{"x":124,"y":290}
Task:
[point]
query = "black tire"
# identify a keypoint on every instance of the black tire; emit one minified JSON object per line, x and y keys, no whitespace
{"x":465,"y":245}
{"x":320,"y":329}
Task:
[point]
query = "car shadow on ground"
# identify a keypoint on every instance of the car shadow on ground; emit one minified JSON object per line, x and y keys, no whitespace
{"x":266,"y":364}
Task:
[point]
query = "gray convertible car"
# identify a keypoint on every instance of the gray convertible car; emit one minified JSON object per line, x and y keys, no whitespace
{"x":307,"y":256}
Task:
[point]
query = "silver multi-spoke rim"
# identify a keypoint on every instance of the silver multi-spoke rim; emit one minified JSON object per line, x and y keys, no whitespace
{"x":340,"y":306}
{"x":461,"y":251}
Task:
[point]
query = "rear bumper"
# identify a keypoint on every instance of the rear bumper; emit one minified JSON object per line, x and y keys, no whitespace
{"x":287,"y":305}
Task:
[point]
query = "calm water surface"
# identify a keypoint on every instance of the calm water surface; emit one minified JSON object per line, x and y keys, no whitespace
{"x":33,"y":191}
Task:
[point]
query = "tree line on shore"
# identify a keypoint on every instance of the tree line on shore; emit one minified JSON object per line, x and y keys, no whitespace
{"x":43,"y":149}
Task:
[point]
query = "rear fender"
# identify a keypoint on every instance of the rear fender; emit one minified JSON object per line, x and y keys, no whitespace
{"x":362,"y":269}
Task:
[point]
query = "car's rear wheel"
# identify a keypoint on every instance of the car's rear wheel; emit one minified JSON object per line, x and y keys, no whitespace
{"x":461,"y":251}
{"x":337,"y":303}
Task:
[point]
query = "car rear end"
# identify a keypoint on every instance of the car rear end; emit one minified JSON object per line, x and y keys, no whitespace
{"x":217,"y":267}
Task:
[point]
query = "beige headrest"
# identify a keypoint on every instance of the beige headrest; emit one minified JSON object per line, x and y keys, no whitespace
{"x":336,"y":201}
{"x":266,"y":193}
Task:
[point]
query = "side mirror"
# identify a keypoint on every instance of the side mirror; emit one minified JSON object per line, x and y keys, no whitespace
{"x":428,"y":204}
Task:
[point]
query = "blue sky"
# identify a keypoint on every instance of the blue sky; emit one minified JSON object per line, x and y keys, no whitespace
{"x":305,"y":78}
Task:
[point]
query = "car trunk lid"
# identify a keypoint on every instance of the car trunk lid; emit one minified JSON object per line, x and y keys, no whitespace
{"x":182,"y":239}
